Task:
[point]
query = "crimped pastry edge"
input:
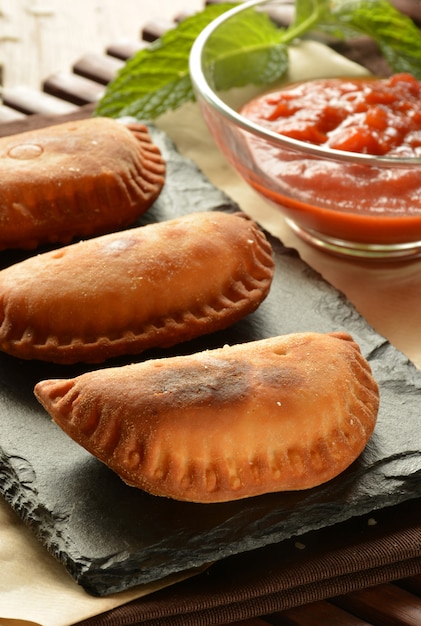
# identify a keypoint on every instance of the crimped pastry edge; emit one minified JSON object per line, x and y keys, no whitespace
{"x":51,"y":209}
{"x":241,"y":297}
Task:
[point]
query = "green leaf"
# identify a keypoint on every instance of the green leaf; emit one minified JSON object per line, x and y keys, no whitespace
{"x":262,"y":57}
{"x":146,"y":82}
{"x":308,"y":14}
{"x":396,"y":34}
{"x":154,"y":103}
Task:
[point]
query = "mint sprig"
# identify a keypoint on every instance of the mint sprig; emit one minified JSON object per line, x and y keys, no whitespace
{"x":157,"y":78}
{"x":395,"y":33}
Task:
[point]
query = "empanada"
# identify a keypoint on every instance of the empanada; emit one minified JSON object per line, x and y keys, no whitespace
{"x":286,"y":413}
{"x":122,"y":293}
{"x":75,"y":179}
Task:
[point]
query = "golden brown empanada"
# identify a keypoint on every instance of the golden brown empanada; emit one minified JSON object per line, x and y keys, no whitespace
{"x":75,"y":179}
{"x":122,"y":293}
{"x":285,"y":413}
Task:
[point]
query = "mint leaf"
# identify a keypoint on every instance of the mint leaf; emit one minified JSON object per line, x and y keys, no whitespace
{"x":396,"y":34}
{"x":154,"y":103}
{"x":308,"y":14}
{"x":145,"y":85}
{"x":262,"y":57}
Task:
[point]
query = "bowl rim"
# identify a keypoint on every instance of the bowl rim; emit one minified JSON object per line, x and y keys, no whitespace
{"x":205,"y":91}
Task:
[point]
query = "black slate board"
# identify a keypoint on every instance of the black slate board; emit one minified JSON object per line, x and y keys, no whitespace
{"x":110,"y":536}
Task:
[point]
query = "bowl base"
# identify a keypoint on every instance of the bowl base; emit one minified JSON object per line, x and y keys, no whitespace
{"x":352,"y":249}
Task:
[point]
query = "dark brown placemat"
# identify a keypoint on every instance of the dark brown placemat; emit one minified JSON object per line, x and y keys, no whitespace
{"x":362,"y":552}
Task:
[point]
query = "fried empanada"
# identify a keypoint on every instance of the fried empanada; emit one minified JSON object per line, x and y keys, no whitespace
{"x":75,"y":179}
{"x":279,"y":414}
{"x":122,"y":293}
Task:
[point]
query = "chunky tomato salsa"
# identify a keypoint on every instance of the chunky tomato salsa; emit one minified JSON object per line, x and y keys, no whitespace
{"x":371,"y":116}
{"x":380,"y":117}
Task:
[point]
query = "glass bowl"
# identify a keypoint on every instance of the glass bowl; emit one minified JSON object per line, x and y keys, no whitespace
{"x":346,"y":203}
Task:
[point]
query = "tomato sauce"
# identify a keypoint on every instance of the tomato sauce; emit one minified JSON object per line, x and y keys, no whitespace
{"x":349,"y":200}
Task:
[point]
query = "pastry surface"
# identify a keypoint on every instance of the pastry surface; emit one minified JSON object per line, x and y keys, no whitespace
{"x":126,"y":292}
{"x":75,"y":179}
{"x":279,"y":414}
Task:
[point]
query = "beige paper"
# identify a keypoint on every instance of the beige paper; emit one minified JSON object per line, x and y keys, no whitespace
{"x":33,"y":586}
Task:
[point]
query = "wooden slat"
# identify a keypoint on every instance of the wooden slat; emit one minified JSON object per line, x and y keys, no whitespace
{"x":154,"y":29}
{"x":317,"y":613}
{"x":182,"y":15}
{"x":9,"y":115}
{"x":125,"y":48}
{"x":383,"y":605}
{"x":100,"y":68}
{"x":73,"y":88}
{"x":30,"y":101}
